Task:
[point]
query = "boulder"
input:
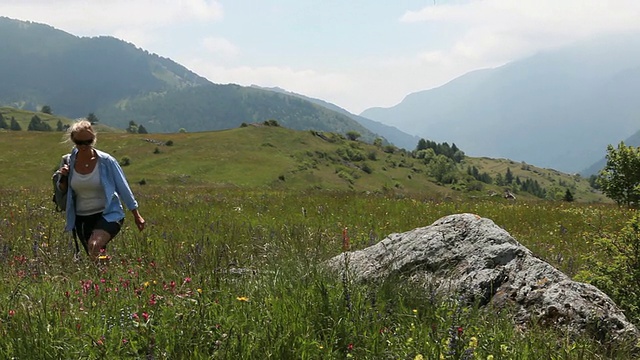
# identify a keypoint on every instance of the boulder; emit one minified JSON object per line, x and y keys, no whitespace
{"x":473,"y":258}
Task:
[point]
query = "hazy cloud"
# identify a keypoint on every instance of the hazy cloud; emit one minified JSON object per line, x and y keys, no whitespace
{"x":220,"y":47}
{"x":501,"y":30}
{"x":84,"y":17}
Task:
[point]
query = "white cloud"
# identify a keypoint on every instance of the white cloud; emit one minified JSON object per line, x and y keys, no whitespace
{"x":501,"y":30}
{"x":89,"y":18}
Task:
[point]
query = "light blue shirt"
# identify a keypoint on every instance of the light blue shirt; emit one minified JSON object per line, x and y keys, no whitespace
{"x":114,"y":183}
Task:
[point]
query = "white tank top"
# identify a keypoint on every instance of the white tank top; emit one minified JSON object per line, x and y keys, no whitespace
{"x":90,"y":197}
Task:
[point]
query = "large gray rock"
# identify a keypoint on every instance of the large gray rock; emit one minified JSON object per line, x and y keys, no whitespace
{"x":472,"y":257}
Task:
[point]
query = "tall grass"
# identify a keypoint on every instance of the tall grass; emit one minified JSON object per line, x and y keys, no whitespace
{"x":234,"y":275}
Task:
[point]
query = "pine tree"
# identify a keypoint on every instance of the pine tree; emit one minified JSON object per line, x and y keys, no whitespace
{"x":568,"y":196}
{"x":508,"y":177}
{"x":14,"y":125}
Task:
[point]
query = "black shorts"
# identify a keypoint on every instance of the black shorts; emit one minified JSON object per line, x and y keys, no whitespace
{"x":86,"y":224}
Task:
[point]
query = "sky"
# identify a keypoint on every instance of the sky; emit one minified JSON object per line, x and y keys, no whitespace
{"x":356,"y":54}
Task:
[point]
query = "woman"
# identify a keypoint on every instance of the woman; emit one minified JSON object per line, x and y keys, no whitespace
{"x":97,"y":185}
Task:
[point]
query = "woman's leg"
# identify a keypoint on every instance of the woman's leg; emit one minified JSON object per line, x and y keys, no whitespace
{"x":97,"y":243}
{"x":102,"y":233}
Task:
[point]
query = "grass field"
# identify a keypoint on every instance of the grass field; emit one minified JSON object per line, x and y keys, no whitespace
{"x":234,"y":274}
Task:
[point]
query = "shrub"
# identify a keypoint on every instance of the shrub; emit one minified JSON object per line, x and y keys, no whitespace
{"x":169,"y":143}
{"x":615,"y":267}
{"x":125,"y":161}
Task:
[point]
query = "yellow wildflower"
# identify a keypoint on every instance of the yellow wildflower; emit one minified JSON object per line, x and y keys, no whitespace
{"x":242,"y":298}
{"x":473,"y":342}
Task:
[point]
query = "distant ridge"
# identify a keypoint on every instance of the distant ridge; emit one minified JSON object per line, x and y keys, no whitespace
{"x":392,"y":134}
{"x":557,"y":109}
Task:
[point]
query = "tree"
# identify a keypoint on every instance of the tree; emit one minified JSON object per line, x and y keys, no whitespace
{"x":353,"y":135}
{"x":568,"y":196}
{"x":142,"y":130}
{"x":422,"y":145}
{"x":3,"y":123}
{"x":15,"y":126}
{"x":92,"y":118}
{"x":133,"y":127}
{"x":59,"y":126}
{"x":46,"y":109}
{"x":620,"y":178}
{"x":36,"y":124}
{"x":508,"y":177}
{"x":442,"y":169}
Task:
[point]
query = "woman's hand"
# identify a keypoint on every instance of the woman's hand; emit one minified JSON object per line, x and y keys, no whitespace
{"x":138,"y":219}
{"x":140,"y":222}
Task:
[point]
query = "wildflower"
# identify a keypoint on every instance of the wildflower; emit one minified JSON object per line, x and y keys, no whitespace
{"x":415,"y":311}
{"x":145,"y":316}
{"x":419,"y":357}
{"x":135,"y":317}
{"x":489,"y":357}
{"x":473,"y":342}
{"x":146,"y":284}
{"x":199,"y":291}
{"x":12,"y":312}
{"x":125,"y":341}
{"x":242,"y":298}
{"x":152,"y":300}
{"x":350,"y":347}
{"x":345,"y":240}
{"x":187,"y":280}
{"x":460,"y":330}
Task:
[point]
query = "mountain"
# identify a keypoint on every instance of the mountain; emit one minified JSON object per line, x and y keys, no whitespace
{"x":119,"y":83}
{"x":75,"y":76}
{"x":557,"y":109}
{"x":390,"y":133}
{"x":633,"y":140}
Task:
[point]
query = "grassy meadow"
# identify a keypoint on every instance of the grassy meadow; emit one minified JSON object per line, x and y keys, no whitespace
{"x":229,"y":265}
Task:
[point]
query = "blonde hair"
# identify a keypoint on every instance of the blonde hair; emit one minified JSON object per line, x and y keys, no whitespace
{"x":81,"y":125}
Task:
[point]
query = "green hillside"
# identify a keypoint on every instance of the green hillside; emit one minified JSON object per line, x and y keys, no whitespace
{"x":268,"y":157}
{"x":39,"y":65}
{"x":23,"y":117}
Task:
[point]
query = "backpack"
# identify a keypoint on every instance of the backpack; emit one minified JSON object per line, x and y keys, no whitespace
{"x":59,"y":196}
